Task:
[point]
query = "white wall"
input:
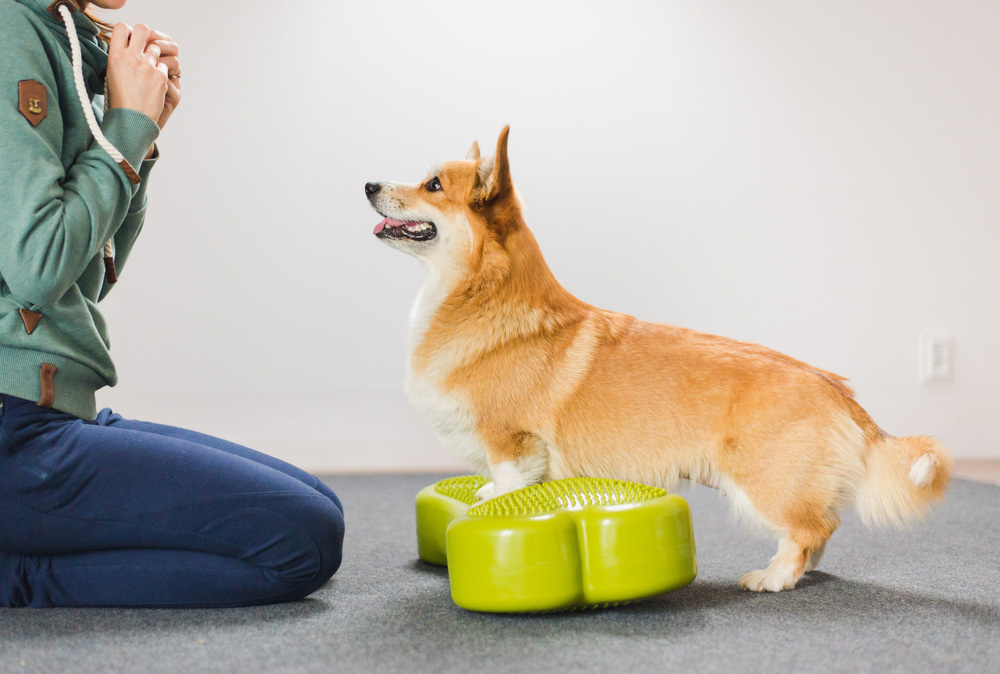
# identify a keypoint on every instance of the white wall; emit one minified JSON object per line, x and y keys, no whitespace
{"x":818,"y":177}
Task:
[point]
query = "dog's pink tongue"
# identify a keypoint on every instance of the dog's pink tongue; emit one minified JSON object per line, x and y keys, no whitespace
{"x":388,"y":222}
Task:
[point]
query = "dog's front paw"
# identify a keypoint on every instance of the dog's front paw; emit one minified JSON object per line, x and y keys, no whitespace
{"x":484,"y":493}
{"x":767,"y":580}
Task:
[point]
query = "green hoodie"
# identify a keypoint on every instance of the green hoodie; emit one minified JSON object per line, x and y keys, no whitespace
{"x":61,"y":198}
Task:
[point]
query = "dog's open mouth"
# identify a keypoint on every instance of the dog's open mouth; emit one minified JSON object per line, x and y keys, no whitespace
{"x":390,"y":228}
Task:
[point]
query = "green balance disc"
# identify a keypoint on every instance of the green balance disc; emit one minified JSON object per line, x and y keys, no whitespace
{"x":566,"y":544}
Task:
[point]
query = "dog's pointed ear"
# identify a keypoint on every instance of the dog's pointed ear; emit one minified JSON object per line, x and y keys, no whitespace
{"x":473,"y":154}
{"x":494,"y":173}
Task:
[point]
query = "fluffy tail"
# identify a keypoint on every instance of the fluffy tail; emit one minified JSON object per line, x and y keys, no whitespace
{"x":903,"y":478}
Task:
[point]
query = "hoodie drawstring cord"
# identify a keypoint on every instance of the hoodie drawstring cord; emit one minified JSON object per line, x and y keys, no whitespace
{"x":110,"y":274}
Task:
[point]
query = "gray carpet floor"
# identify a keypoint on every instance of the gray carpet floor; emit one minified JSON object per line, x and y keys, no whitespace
{"x":922,"y":600}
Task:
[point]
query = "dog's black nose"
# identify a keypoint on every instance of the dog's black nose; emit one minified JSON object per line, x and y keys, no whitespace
{"x":372,"y":188}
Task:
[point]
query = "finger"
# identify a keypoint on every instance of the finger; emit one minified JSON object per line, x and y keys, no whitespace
{"x":167,"y":48}
{"x":140,"y":36}
{"x":158,"y":35}
{"x":152,"y":54}
{"x":163,"y":69}
{"x":172,"y":63}
{"x":119,"y":36}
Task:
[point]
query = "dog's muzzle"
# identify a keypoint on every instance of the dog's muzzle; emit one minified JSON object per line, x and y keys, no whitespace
{"x":392,"y":228}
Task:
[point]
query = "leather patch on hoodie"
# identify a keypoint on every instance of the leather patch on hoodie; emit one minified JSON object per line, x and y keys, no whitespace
{"x":32,"y":101}
{"x":30,"y":319}
{"x":133,"y":177}
{"x":48,"y":374}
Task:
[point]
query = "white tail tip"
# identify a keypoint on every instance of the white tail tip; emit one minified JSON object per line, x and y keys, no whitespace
{"x":922,"y":471}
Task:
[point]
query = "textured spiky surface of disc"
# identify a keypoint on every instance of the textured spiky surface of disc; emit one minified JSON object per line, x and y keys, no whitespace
{"x":573,"y":492}
{"x":462,"y":488}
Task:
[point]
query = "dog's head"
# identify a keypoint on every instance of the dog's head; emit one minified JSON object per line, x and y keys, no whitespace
{"x":459,"y":209}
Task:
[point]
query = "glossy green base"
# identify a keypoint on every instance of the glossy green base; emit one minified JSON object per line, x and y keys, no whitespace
{"x":559,"y":545}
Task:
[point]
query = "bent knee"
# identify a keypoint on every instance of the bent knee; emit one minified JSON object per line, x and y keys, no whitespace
{"x":319,"y":550}
{"x":328,"y":537}
{"x":295,"y":539}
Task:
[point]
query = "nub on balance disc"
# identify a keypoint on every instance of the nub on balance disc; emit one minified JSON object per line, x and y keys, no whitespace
{"x":573,"y":543}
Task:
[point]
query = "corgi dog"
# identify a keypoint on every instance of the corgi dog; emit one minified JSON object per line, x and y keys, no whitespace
{"x":524,"y":381}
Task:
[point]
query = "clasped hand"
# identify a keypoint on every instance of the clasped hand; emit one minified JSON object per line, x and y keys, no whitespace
{"x":144,"y":72}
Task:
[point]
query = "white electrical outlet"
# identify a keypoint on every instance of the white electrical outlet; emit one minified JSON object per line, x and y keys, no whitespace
{"x":937,"y":354}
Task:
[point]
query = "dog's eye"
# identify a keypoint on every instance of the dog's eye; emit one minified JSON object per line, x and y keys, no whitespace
{"x":433,"y":185}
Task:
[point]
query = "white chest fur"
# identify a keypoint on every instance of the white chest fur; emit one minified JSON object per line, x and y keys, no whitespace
{"x":446,"y":414}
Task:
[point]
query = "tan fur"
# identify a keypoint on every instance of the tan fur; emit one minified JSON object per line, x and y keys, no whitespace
{"x":507,"y":363}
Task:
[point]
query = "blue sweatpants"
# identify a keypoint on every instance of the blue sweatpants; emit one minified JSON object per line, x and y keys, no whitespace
{"x":115,"y":512}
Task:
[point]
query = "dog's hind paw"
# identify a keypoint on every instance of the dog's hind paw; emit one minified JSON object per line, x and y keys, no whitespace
{"x":767,"y":580}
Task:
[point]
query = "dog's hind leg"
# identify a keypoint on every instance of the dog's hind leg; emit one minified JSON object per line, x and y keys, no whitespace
{"x":798,"y":551}
{"x":792,"y":560}
{"x":803,"y":528}
{"x":785,"y":569}
{"x":815,"y":557}
{"x":516,"y":461}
